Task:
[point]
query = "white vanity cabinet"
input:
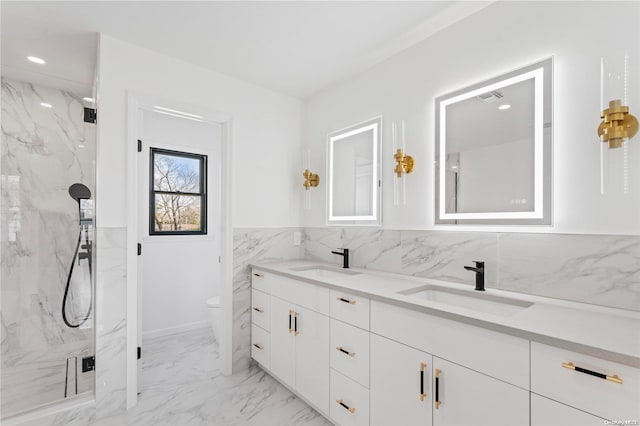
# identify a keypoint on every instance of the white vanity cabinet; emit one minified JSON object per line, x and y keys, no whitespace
{"x":299,"y":350}
{"x":400,"y":384}
{"x":299,"y":336}
{"x":603,"y":388}
{"x":411,"y":387}
{"x":495,"y":354}
{"x":350,"y":359}
{"x":364,"y":362}
{"x":465,"y":397}
{"x":260,"y":324}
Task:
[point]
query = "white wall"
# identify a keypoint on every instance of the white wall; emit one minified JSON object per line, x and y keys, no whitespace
{"x":500,"y":38}
{"x":265,"y":132}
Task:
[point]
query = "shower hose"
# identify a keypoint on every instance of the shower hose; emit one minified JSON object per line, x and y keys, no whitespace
{"x":66,"y":290}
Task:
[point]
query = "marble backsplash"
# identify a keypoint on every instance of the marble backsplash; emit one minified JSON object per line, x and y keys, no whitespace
{"x":253,"y":245}
{"x":596,"y":269}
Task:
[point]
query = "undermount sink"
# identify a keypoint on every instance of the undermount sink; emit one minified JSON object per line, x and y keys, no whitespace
{"x":324,"y":271}
{"x":475,"y":301}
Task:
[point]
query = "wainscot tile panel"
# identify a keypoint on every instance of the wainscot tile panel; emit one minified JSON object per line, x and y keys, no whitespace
{"x":251,"y":246}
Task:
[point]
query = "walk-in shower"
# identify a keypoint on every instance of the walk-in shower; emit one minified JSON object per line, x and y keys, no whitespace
{"x":47,"y":236}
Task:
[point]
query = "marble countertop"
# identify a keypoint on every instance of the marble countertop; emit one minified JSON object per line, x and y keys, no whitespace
{"x":609,"y":333}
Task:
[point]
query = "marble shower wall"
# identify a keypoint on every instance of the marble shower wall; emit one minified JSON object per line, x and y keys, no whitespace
{"x":111,"y":321}
{"x":251,"y":245}
{"x":44,"y":150}
{"x":597,"y":269}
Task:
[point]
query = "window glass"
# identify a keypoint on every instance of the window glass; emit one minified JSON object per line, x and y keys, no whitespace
{"x":177,"y":196}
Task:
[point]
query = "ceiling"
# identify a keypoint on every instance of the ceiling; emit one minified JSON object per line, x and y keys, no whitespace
{"x":293,"y":47}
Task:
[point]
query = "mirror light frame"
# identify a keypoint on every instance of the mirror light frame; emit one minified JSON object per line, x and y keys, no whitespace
{"x":542,"y":89}
{"x":374,"y":124}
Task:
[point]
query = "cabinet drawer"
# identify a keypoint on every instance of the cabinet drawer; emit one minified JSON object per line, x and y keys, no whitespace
{"x":350,"y":309}
{"x":545,"y":412}
{"x":310,"y":296}
{"x":350,"y":351}
{"x":349,"y":402}
{"x":261,"y":280}
{"x":260,"y":346}
{"x":596,"y":395}
{"x":260,"y":309}
{"x":498,"y":355}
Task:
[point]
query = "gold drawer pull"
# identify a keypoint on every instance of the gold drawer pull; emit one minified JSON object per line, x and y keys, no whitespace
{"x":293,"y":315}
{"x":352,"y":410}
{"x":614,"y":378}
{"x":258,"y":309}
{"x":255,"y":274}
{"x":342,"y":299}
{"x":423,"y":394}
{"x":259,"y":346}
{"x":437,"y":401}
{"x":344,"y":351}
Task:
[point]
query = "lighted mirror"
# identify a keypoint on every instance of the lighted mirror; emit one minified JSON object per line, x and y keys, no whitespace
{"x":493,"y":150}
{"x":354,"y":174}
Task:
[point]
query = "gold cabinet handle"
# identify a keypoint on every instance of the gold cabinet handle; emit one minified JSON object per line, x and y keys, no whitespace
{"x":255,"y":308}
{"x":293,"y":317}
{"x":344,"y":351}
{"x":423,"y":394}
{"x":259,"y":346}
{"x":342,"y":299}
{"x":352,"y":410}
{"x":572,"y":366}
{"x":255,"y":274}
{"x":437,"y":401}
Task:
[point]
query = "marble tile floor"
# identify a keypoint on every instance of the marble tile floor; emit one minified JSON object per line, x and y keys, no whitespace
{"x":182,"y":386}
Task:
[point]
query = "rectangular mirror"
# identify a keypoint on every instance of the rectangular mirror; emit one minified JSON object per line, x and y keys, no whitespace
{"x":493,"y":150}
{"x":353,"y":195}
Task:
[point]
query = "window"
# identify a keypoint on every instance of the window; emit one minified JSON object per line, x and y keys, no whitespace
{"x":177,"y":193}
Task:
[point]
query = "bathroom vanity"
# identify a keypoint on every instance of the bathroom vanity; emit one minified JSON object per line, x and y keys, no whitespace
{"x":374,"y":348}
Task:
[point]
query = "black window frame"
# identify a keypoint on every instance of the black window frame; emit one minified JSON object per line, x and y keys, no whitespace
{"x":202,"y":158}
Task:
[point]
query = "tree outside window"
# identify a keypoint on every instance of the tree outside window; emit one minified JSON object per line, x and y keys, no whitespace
{"x":177,"y":196}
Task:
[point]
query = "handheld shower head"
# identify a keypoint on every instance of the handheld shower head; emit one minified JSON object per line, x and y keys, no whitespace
{"x":78,"y":192}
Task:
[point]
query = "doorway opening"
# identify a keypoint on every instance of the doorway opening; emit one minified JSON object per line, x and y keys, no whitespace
{"x":180,"y":269}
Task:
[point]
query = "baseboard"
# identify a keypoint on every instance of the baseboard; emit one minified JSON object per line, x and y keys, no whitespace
{"x":176,"y":329}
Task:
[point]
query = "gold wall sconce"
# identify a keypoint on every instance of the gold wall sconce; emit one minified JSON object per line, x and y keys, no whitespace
{"x":404,"y":163}
{"x":310,"y":179}
{"x":617,"y":124}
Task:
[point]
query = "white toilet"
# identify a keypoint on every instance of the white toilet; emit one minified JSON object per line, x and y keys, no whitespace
{"x":216,"y":316}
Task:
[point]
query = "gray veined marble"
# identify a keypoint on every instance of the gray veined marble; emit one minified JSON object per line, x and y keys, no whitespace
{"x":182,"y":385}
{"x":598,"y":269}
{"x":250,"y":246}
{"x":111,"y":314}
{"x":44,"y":150}
{"x":372,"y":248}
{"x":443,"y":255}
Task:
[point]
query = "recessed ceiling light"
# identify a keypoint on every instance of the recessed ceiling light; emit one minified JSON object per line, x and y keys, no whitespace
{"x":46,"y":105}
{"x":87,"y":99}
{"x":36,"y":60}
{"x":504,"y":106}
